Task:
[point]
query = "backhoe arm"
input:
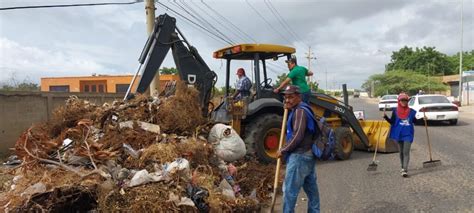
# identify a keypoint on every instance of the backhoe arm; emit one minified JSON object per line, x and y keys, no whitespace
{"x":191,"y":67}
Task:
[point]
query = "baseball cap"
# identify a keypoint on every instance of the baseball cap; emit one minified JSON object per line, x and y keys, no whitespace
{"x":292,"y":89}
{"x":291,"y":59}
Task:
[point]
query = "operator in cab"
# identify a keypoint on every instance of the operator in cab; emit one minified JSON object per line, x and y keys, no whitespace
{"x":297,"y":76}
{"x":243,"y":85}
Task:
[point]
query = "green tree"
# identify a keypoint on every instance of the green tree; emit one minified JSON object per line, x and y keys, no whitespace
{"x":425,"y":60}
{"x":279,"y":80}
{"x":168,"y":71}
{"x":467,"y":61}
{"x":397,"y":81}
{"x":24,"y":86}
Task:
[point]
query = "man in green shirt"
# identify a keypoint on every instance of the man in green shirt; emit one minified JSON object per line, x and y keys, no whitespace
{"x":297,"y":76}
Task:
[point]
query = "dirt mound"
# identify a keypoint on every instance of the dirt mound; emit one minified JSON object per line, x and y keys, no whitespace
{"x":147,"y":154}
{"x":181,"y":112}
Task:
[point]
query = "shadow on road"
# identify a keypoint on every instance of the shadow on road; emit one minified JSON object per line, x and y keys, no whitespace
{"x":358,"y":156}
{"x":442,"y":123}
{"x":421,"y":170}
{"x":384,"y":206}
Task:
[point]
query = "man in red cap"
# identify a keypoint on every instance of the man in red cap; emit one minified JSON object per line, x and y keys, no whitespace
{"x":243,"y":85}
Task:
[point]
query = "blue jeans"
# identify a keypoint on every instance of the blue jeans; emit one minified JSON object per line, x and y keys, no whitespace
{"x":305,"y":97}
{"x":300,"y":172}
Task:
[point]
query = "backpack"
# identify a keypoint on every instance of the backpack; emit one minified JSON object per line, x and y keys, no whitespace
{"x":324,"y":140}
{"x":324,"y":144}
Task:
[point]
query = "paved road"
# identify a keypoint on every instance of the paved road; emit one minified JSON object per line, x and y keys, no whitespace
{"x":346,"y":186}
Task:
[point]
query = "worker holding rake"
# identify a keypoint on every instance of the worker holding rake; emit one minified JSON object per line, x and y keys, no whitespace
{"x":300,"y":161}
{"x":402,"y":129}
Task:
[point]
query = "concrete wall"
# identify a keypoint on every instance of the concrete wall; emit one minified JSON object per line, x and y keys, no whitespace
{"x":19,"y":110}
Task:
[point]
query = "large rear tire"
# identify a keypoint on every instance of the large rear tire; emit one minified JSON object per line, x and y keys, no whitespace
{"x":262,"y":136}
{"x":344,"y":143}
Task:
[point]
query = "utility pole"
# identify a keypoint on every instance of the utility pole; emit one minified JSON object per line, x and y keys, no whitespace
{"x":326,"y":72}
{"x":372,"y":90}
{"x":460,"y":53}
{"x":309,"y":56}
{"x":150,"y":24}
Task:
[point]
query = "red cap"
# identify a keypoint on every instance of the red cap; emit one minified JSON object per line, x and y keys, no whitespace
{"x":241,"y":71}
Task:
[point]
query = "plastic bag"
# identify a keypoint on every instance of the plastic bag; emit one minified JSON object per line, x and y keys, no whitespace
{"x":227,"y":143}
{"x":33,"y":189}
{"x":227,"y":190}
{"x":198,"y":195}
{"x":142,"y":177}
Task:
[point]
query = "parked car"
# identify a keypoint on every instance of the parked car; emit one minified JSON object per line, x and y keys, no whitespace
{"x":389,"y":102}
{"x":436,"y":108}
{"x":356,"y":94}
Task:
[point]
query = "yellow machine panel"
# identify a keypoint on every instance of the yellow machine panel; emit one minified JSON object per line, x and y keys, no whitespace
{"x":377,"y":130}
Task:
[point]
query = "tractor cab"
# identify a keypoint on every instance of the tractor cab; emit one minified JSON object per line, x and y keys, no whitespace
{"x":262,"y":90}
{"x":257,"y":118}
{"x":257,"y":53}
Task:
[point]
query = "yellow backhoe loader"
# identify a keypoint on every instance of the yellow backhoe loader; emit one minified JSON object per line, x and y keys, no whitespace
{"x":258,"y":119}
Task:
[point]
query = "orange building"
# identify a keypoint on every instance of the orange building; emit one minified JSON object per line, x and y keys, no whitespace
{"x":96,"y":83}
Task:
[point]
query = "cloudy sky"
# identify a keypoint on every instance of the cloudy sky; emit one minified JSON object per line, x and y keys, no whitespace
{"x":351,"y":39}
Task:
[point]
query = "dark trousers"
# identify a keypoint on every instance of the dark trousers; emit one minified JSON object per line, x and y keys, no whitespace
{"x":404,"y":153}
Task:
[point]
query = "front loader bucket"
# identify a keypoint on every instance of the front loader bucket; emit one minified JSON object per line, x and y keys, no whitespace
{"x":375,"y":130}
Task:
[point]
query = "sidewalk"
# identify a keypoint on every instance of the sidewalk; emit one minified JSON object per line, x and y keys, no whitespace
{"x":371,"y":100}
{"x":467,"y":111}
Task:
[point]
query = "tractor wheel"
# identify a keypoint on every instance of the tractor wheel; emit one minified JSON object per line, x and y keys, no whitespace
{"x":344,"y":143}
{"x":262,"y":136}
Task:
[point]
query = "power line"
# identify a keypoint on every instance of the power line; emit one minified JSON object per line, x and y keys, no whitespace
{"x":224,"y":18}
{"x":280,"y":67}
{"x":68,"y":5}
{"x":214,"y":28}
{"x":278,"y":18}
{"x":200,"y":20}
{"x":266,"y":21}
{"x":196,"y":24}
{"x":285,"y":23}
{"x":203,"y":20}
{"x":234,"y":32}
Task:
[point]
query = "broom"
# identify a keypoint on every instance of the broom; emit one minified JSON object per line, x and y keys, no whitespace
{"x":431,"y":162}
{"x":373,"y":165}
{"x":277,"y":172}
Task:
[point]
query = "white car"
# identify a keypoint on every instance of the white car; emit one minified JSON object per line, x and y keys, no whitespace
{"x":389,"y":102}
{"x":436,"y":108}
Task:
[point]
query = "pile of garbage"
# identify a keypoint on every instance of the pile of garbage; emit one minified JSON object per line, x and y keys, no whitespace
{"x":146,"y":154}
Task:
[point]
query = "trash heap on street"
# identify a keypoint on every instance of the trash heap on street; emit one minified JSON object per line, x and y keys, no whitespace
{"x":146,"y":154}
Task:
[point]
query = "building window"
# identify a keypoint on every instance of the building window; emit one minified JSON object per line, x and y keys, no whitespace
{"x":86,"y":88}
{"x":101,"y":88}
{"x":93,"y":88}
{"x":62,"y":88}
{"x":121,"y":88}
